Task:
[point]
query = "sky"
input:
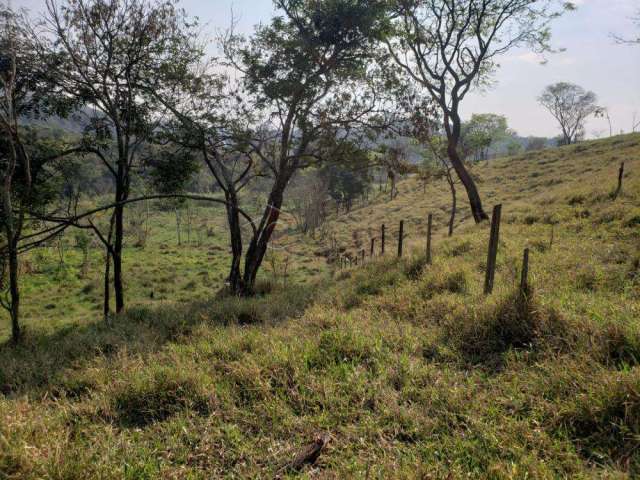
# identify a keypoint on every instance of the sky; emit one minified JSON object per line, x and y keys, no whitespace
{"x":591,"y":59}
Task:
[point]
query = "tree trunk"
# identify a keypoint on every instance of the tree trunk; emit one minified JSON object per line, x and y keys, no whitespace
{"x":118,"y":287}
{"x":233,"y":219}
{"x":479,"y":214}
{"x":107,"y":284}
{"x":14,"y":271}
{"x":260,"y":241}
{"x":177,"y":212}
{"x":452,"y":218}
{"x":12,"y":242}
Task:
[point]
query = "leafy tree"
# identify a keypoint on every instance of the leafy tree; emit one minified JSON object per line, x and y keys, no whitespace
{"x":482,"y":131}
{"x":570,"y":105}
{"x":25,"y":157}
{"x":301,"y":80}
{"x":449,"y":46}
{"x":514,"y":147}
{"x":110,"y":54}
{"x":535,"y":143}
{"x":348,"y":176}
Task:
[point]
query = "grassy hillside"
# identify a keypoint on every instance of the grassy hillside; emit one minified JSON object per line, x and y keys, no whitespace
{"x":409,"y":368}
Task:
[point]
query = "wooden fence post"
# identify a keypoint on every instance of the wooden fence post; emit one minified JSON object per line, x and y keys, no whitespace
{"x":620,"y":177}
{"x":373,"y":244}
{"x":493,"y":249}
{"x":362,"y":254}
{"x":429,"y":225}
{"x":400,"y":238}
{"x":382,"y":240}
{"x":355,"y":260}
{"x":524,"y":276}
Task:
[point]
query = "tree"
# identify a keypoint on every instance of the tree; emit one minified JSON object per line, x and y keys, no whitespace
{"x":449,"y":46}
{"x":347,"y":175}
{"x":308,"y":201}
{"x":24,"y":154}
{"x":570,"y":105}
{"x":482,"y":131}
{"x":301,"y":82}
{"x":109,"y":55}
{"x":535,"y":143}
{"x":514,"y":147}
{"x":392,"y":159}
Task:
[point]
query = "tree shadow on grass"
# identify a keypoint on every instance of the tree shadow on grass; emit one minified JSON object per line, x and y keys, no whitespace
{"x":38,"y":364}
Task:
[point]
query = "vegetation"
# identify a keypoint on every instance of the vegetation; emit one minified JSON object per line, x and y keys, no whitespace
{"x":408,"y":368}
{"x":270,"y":328}
{"x":570,"y":105}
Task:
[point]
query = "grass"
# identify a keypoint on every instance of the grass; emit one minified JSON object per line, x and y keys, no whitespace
{"x":409,"y":367}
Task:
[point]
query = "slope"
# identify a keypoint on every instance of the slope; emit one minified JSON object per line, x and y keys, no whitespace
{"x":409,"y":368}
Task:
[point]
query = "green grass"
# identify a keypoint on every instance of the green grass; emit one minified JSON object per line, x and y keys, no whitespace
{"x":410,"y":368}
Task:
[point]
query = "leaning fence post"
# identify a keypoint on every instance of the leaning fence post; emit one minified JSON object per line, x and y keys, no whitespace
{"x":400,"y":238}
{"x":362,"y":254}
{"x":382,"y":240}
{"x":373,"y":244}
{"x":493,"y":249}
{"x":429,"y":224}
{"x":524,"y":278}
{"x":355,"y":260}
{"x":620,"y":177}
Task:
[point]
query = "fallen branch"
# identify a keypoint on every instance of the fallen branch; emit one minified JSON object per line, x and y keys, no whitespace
{"x":308,"y":455}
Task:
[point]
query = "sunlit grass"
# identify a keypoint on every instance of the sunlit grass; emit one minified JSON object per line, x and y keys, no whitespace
{"x":410,"y":368}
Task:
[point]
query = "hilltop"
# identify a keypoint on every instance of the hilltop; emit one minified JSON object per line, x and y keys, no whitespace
{"x":408,"y":368}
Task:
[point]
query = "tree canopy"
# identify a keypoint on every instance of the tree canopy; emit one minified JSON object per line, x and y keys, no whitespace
{"x":570,"y":105}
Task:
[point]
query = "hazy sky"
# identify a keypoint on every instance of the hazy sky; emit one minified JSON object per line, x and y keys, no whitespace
{"x":592,"y":59}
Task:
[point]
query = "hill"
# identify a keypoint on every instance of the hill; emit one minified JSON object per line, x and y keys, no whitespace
{"x":407,"y":370}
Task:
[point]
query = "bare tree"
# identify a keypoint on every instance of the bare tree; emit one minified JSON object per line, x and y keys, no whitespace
{"x":450,"y":46}
{"x":570,"y":105}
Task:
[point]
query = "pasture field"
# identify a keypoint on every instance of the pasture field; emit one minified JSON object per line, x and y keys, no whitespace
{"x":408,"y":368}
